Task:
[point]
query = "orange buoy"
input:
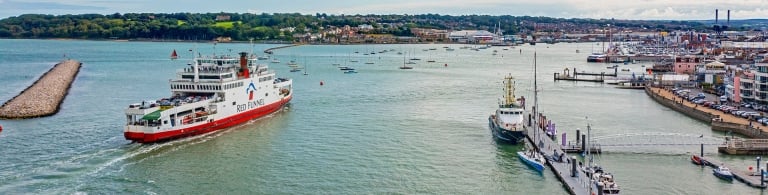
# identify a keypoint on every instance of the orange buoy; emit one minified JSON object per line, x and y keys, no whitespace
{"x":321,"y":83}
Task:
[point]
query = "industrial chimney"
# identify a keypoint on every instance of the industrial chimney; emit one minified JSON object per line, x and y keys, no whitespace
{"x":728,"y":21}
{"x":716,"y":16}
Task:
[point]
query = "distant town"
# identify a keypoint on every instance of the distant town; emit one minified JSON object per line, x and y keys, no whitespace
{"x":359,"y":29}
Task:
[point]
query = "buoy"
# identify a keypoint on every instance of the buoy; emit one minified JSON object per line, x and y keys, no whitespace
{"x":750,"y":168}
{"x":1,"y":128}
{"x":446,"y":65}
{"x":321,"y":83}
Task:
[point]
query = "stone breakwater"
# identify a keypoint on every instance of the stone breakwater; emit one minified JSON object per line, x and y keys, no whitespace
{"x":44,"y":97}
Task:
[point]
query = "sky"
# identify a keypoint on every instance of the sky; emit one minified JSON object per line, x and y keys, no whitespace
{"x":618,"y":9}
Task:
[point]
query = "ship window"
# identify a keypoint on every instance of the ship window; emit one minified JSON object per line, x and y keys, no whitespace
{"x":266,"y":94}
{"x":233,"y":103}
{"x":165,"y":122}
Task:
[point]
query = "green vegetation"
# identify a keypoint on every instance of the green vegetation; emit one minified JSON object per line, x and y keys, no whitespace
{"x":242,"y":27}
{"x":226,"y":25}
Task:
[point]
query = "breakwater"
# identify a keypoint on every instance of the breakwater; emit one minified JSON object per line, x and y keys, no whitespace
{"x":44,"y":97}
{"x":269,"y":51}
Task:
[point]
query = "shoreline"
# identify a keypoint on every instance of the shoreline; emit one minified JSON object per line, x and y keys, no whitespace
{"x":717,"y":120}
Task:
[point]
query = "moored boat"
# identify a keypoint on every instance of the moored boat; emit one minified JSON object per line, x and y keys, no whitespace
{"x":506,"y":123}
{"x":213,"y":94}
{"x":723,"y":173}
{"x":696,"y":160}
{"x":532,"y":159}
{"x":604,"y":181}
{"x":596,"y":58}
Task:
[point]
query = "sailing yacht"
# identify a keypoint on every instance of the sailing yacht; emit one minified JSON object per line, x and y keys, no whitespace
{"x":533,"y":157}
{"x":404,"y":66}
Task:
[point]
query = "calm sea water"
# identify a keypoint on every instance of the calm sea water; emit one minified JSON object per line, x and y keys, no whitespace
{"x":382,"y":130}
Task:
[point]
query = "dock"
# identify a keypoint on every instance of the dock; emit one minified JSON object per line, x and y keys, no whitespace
{"x":748,"y":178}
{"x":741,"y":146}
{"x":569,"y":172}
{"x":591,"y":77}
{"x":269,"y":51}
{"x":44,"y":96}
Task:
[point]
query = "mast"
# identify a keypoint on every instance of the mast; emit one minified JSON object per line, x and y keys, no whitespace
{"x":535,"y":101}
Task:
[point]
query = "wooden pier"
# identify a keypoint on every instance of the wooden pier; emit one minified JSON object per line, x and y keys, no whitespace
{"x":592,"y":77}
{"x":751,"y":179}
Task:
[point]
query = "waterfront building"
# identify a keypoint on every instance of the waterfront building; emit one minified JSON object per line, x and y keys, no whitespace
{"x":470,"y":36}
{"x":761,"y":83}
{"x":686,"y":64}
{"x":744,"y":85}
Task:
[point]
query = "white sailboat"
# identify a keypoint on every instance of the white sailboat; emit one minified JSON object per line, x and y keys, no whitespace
{"x":533,"y":157}
{"x":405,"y":67}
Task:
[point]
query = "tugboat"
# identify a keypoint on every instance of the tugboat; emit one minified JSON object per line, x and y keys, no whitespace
{"x":213,"y":94}
{"x":506,"y":123}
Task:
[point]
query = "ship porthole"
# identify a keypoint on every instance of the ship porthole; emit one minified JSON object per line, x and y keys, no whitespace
{"x":266,"y":94}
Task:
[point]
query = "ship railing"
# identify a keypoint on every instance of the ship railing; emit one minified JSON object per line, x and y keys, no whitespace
{"x":207,"y":69}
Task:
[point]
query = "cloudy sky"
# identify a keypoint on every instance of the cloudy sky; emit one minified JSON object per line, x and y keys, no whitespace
{"x":619,"y":9}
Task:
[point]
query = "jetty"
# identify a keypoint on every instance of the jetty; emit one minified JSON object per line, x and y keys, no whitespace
{"x":566,"y":168}
{"x":44,"y":96}
{"x":741,"y":146}
{"x":269,"y":51}
{"x":591,"y":77}
{"x":749,"y":178}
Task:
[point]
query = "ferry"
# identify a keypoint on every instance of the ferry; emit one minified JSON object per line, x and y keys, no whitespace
{"x":507,"y":122}
{"x":214,"y":93}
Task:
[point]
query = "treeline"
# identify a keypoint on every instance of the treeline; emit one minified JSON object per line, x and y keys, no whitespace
{"x":245,"y":26}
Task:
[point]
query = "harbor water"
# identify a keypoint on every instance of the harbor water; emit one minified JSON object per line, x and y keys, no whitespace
{"x":382,"y":130}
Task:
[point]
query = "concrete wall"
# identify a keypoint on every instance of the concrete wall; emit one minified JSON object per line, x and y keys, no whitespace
{"x":738,"y":128}
{"x":691,"y":112}
{"x":706,"y":117}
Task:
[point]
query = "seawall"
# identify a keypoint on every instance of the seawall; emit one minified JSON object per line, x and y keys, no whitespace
{"x":678,"y":106}
{"x":44,"y":97}
{"x":718,"y":120}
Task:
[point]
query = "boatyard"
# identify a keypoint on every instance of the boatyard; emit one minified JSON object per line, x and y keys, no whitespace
{"x":44,"y":96}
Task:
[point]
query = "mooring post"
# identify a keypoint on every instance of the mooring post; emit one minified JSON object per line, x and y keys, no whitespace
{"x":573,"y":166}
{"x":701,"y":154}
{"x":578,"y":136}
{"x":759,"y":171}
{"x":584,"y":143}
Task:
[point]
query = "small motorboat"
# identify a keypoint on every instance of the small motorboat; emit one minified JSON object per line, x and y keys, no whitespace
{"x":350,"y":72}
{"x":696,"y":160}
{"x":723,"y":173}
